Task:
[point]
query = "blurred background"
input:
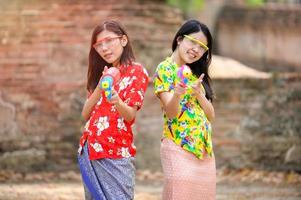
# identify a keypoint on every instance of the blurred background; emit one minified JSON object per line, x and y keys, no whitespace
{"x":256,"y":72}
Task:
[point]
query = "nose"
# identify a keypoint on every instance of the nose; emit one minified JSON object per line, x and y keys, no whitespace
{"x":196,"y":49}
{"x":103,"y":47}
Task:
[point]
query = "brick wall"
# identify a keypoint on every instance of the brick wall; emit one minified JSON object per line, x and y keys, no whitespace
{"x":267,"y":134}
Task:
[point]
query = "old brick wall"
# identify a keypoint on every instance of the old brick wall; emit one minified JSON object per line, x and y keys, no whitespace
{"x":43,"y":63}
{"x":267,"y":38}
{"x":267,"y":115}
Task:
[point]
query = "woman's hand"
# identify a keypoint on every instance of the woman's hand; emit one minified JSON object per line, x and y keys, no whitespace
{"x":125,"y":111}
{"x":196,"y":87}
{"x":171,"y":101}
{"x":201,"y":97}
{"x":179,"y":90}
{"x":115,"y":99}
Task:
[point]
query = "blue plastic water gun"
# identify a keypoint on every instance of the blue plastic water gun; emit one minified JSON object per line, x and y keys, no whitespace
{"x":108,"y":80}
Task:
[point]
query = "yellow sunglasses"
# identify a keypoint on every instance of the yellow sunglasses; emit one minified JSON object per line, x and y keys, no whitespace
{"x":197,"y":41}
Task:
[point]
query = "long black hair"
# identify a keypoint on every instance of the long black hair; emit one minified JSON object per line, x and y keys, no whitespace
{"x":200,"y":66}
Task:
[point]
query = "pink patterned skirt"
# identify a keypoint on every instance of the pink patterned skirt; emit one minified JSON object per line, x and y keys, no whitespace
{"x":186,"y":176}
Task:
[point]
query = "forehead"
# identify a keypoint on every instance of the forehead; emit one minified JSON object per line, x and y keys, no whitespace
{"x":105,"y":34}
{"x":199,"y":36}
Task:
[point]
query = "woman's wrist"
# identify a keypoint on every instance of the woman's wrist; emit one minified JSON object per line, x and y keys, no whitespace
{"x":199,"y":94}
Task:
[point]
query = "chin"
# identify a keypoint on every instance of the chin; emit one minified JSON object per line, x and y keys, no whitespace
{"x":110,"y":61}
{"x":189,"y":61}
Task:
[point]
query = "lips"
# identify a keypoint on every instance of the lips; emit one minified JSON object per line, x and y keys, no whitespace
{"x":107,"y":55}
{"x":192,"y":54}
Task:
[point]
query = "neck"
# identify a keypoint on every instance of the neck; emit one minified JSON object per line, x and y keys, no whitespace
{"x":116,"y":63}
{"x":176,"y":58}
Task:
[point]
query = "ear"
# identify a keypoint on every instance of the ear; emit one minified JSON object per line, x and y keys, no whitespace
{"x":124,"y":40}
{"x":179,"y":39}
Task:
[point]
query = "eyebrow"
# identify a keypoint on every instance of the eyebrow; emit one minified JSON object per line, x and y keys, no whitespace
{"x":197,"y":41}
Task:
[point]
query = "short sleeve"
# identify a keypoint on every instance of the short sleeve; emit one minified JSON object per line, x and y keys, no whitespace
{"x":163,"y":78}
{"x":136,"y":91}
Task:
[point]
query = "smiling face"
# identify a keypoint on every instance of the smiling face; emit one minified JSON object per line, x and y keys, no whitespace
{"x":110,"y":46}
{"x":192,"y":47}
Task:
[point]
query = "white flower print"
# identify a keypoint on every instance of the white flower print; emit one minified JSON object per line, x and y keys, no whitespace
{"x":190,"y":110}
{"x":111,"y":139}
{"x":160,"y":87}
{"x":113,"y":109}
{"x":97,"y":147}
{"x":98,"y":133}
{"x":145,"y":72}
{"x":87,"y":126}
{"x":80,"y":148}
{"x":143,"y":80}
{"x":121,"y":124}
{"x":183,"y":134}
{"x":170,"y":80}
{"x":111,"y":151}
{"x":183,"y":124}
{"x":102,"y":124}
{"x":99,"y":101}
{"x":125,"y":152}
{"x":124,"y":83}
{"x":140,"y":94}
{"x":134,"y":78}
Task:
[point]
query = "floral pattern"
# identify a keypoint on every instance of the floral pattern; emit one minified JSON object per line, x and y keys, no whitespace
{"x":107,"y":133}
{"x":191,"y":128}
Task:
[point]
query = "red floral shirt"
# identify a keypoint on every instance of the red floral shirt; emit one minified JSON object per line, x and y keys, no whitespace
{"x":107,"y":133}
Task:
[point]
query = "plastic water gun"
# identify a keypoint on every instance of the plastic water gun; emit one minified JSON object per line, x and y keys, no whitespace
{"x":108,"y":80}
{"x":184,"y":73}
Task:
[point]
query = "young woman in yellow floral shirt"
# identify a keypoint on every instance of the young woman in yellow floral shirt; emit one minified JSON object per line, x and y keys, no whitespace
{"x":186,"y":150}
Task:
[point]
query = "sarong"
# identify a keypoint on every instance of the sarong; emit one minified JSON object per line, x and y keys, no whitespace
{"x":186,"y":176}
{"x":107,"y":179}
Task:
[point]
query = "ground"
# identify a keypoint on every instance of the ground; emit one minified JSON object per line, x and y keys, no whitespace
{"x":231,"y":185}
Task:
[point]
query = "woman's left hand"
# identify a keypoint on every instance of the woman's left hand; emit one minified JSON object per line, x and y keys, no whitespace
{"x":196,"y":87}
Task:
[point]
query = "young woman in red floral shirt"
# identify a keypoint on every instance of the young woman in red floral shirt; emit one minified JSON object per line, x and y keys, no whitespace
{"x":107,"y":151}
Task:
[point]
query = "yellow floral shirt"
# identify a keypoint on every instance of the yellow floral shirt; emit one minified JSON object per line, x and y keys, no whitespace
{"x":191,"y":128}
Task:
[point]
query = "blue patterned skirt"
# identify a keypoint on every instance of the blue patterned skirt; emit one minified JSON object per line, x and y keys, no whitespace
{"x":107,"y":179}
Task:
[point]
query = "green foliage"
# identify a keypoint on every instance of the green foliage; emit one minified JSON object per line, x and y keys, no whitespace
{"x":188,"y":5}
{"x":255,"y":2}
